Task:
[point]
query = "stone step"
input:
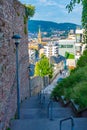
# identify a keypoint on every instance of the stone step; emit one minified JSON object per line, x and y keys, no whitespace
{"x":35,"y":102}
{"x":45,"y":124}
{"x":61,"y":112}
{"x":33,"y":113}
{"x":31,"y":102}
{"x":43,"y":113}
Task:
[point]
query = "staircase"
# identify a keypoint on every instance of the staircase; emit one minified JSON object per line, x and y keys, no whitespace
{"x":41,"y":113}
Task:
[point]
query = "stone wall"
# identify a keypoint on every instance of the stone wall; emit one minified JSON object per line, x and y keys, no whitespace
{"x":12,"y":22}
{"x":36,"y":85}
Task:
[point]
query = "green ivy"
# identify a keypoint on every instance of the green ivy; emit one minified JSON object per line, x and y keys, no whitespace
{"x":29,"y":12}
{"x":25,"y":19}
{"x":8,"y":129}
{"x":25,"y":30}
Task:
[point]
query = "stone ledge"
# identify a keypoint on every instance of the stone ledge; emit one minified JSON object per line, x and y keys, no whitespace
{"x":64,"y":101}
{"x":83,"y":112}
{"x":75,"y":106}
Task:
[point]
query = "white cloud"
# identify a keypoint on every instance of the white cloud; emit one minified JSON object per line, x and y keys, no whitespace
{"x":43,"y":1}
{"x":55,"y":10}
{"x":48,"y":2}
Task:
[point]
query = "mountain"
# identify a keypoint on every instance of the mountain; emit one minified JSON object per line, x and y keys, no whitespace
{"x":47,"y":26}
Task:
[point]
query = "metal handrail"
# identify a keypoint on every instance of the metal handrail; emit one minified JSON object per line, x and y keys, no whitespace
{"x":41,"y":98}
{"x":69,"y":118}
{"x":50,"y":111}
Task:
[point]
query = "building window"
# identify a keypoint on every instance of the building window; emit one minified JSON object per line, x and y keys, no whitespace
{"x":65,"y":46}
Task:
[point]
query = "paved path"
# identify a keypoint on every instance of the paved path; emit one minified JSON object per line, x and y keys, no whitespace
{"x":50,"y":87}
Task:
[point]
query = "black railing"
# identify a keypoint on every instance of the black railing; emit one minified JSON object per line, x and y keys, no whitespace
{"x":50,"y":110}
{"x":69,"y":118}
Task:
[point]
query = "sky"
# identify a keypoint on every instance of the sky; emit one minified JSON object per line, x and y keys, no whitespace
{"x":55,"y":11}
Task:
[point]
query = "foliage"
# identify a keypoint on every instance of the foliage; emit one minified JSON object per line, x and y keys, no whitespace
{"x":50,"y":71}
{"x":25,"y":30}
{"x":66,"y":54}
{"x":69,"y":55}
{"x":82,"y":60}
{"x":84,"y":13}
{"x":74,"y":87}
{"x":71,"y":5}
{"x":85,"y":33}
{"x":43,"y":68}
{"x":29,"y":12}
{"x":8,"y":129}
{"x":79,"y":94}
{"x":25,"y":19}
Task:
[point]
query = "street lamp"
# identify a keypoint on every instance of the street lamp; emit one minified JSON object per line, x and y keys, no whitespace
{"x":17,"y":38}
{"x":29,"y":82}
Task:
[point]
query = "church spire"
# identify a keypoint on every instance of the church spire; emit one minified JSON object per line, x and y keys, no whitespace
{"x":39,"y":36}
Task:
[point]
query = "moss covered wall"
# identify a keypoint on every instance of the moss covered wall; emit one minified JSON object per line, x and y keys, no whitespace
{"x":12,"y":22}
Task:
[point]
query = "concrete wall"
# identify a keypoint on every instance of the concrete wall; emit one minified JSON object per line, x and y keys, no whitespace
{"x":11,"y":22}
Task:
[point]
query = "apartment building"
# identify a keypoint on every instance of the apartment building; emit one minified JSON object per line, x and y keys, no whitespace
{"x":51,"y":49}
{"x":79,"y":46}
{"x":31,"y":56}
{"x":66,"y":45}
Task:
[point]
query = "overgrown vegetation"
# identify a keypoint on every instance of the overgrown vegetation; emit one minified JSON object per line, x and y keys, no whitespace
{"x":75,"y":86}
{"x":8,"y":129}
{"x":29,"y":12}
{"x":43,"y":68}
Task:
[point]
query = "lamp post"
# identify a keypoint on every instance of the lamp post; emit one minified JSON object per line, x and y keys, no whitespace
{"x":29,"y":82}
{"x":17,"y":38}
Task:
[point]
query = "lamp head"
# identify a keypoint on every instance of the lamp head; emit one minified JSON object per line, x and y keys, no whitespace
{"x":17,"y":38}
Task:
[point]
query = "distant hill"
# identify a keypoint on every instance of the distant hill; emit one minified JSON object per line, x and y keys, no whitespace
{"x":47,"y":26}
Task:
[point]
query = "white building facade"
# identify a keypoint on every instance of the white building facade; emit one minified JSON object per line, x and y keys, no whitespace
{"x":51,"y":49}
{"x":79,"y":46}
{"x":31,"y":56}
{"x":66,"y":45}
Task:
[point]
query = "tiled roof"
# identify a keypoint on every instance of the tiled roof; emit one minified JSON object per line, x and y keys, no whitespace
{"x":54,"y":59}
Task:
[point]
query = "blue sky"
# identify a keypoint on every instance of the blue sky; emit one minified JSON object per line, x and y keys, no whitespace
{"x":54,"y":10}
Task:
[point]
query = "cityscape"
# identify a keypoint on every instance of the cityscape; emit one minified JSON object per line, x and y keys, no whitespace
{"x":56,"y":47}
{"x":43,"y":65}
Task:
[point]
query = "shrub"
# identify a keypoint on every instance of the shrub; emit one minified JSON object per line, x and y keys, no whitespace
{"x":80,"y":94}
{"x":74,"y":86}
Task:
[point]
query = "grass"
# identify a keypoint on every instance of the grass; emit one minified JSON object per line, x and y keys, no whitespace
{"x":71,"y":56}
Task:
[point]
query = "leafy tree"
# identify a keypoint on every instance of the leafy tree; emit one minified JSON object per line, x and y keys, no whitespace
{"x":84,"y":14}
{"x":43,"y":68}
{"x":72,"y":3}
{"x":82,"y":60}
{"x":66,"y":54}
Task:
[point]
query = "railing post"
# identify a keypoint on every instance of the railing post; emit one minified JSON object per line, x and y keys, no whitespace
{"x":72,"y":122}
{"x":48,"y":110}
{"x":44,"y":100}
{"x":51,"y":110}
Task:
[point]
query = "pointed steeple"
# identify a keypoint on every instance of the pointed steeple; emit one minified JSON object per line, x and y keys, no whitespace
{"x":39,"y":36}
